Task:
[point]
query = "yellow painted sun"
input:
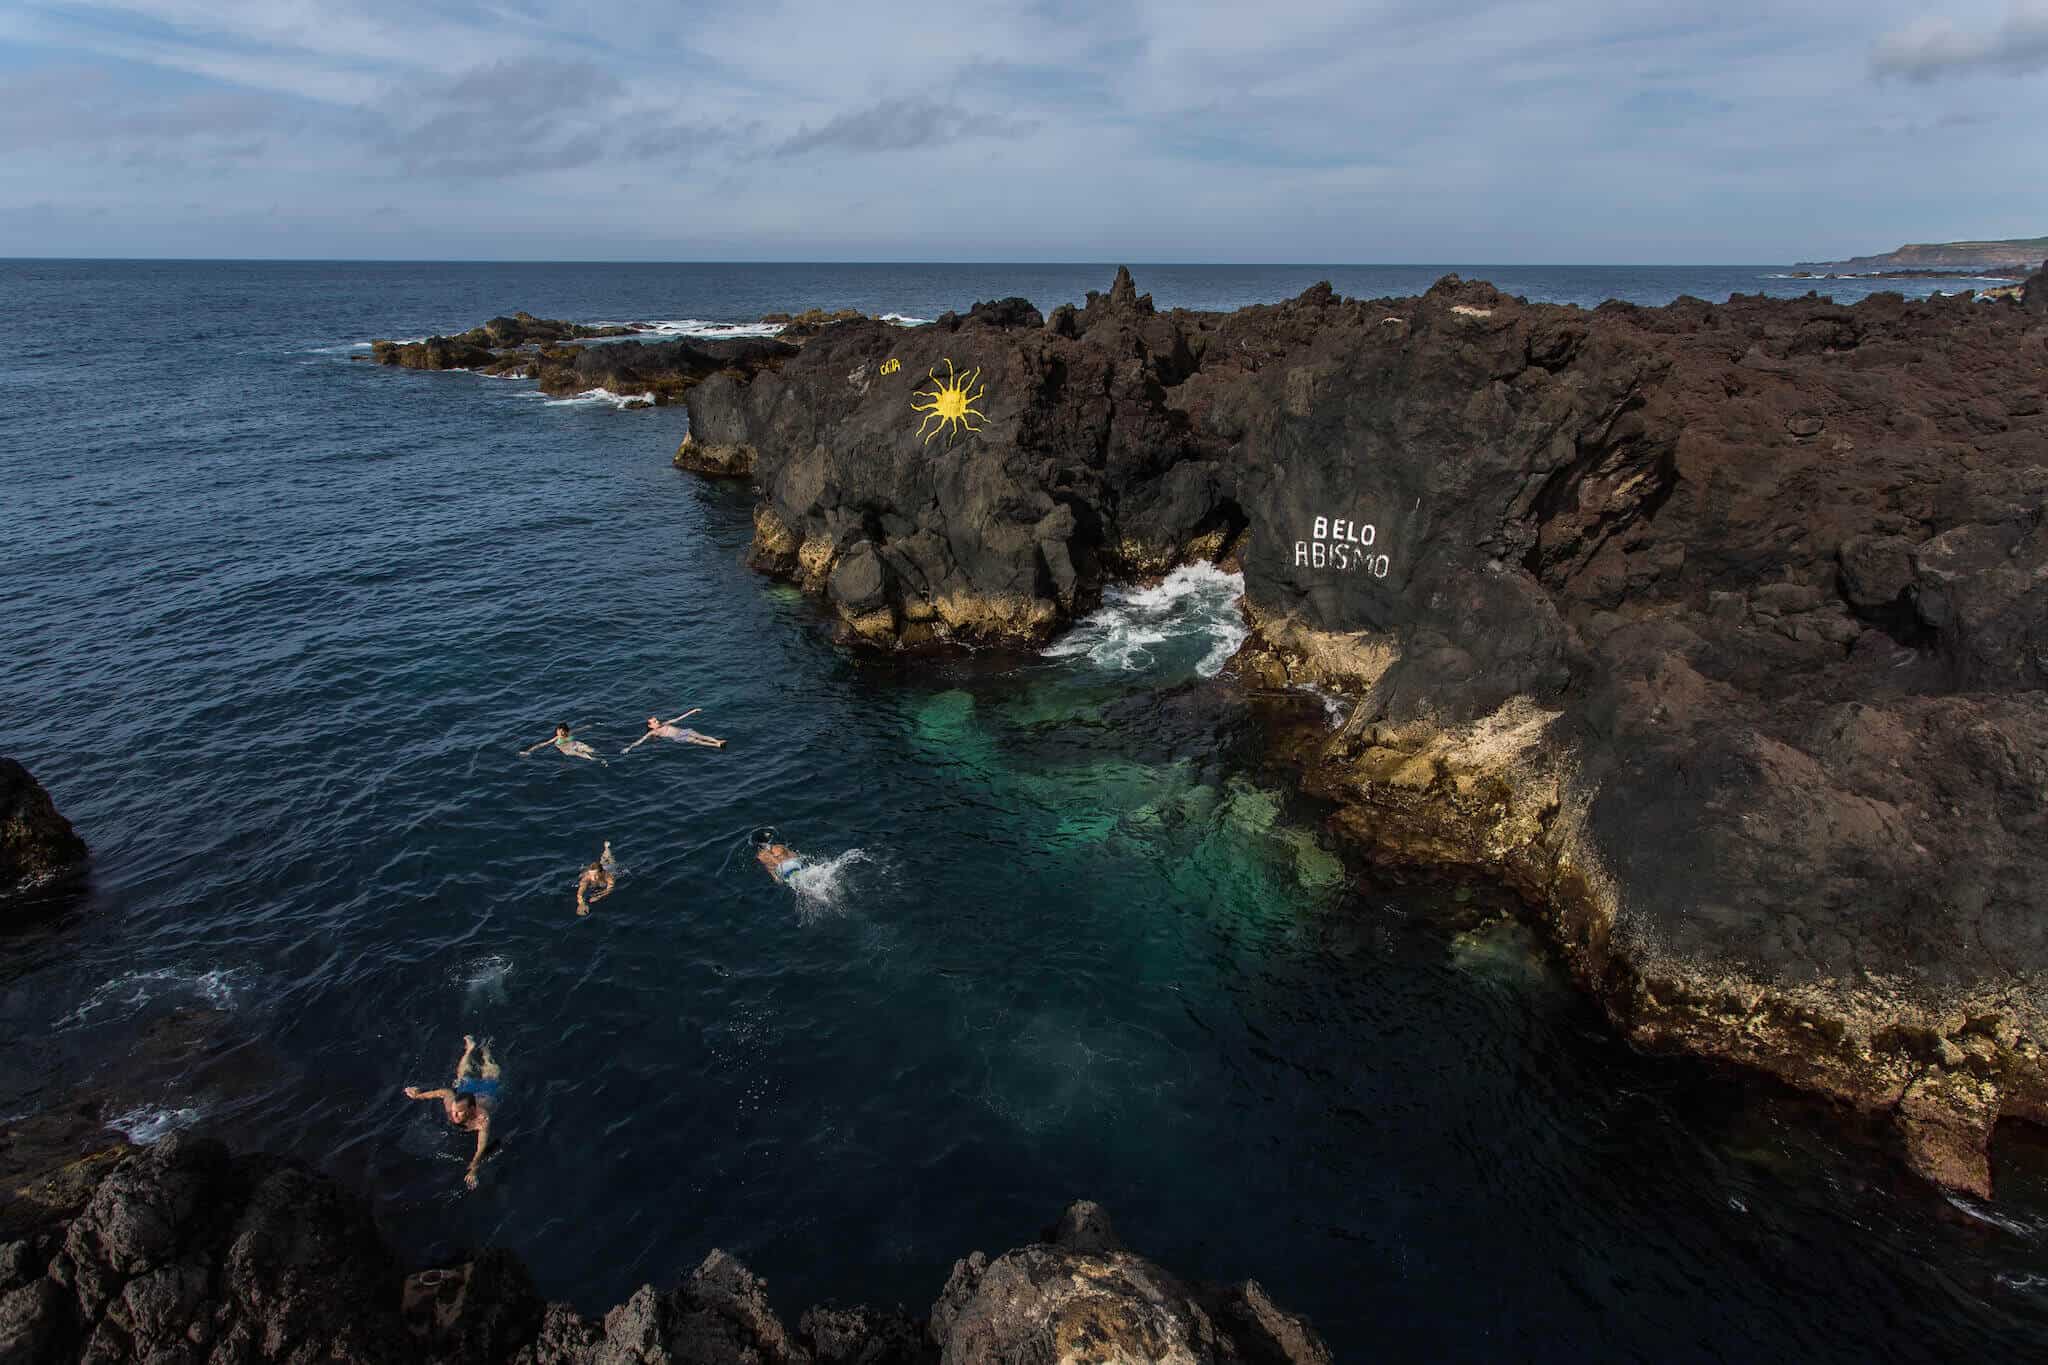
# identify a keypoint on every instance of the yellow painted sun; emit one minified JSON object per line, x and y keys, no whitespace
{"x":950,"y":403}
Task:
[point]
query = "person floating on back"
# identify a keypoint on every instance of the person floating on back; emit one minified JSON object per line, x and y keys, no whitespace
{"x":597,"y":878}
{"x":657,"y":728}
{"x":469,"y":1103}
{"x":568,"y":745}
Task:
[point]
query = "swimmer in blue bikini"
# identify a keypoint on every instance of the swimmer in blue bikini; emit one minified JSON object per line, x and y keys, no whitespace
{"x":469,"y":1104}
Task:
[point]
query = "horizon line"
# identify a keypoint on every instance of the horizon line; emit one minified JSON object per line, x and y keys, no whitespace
{"x":1112,"y":263}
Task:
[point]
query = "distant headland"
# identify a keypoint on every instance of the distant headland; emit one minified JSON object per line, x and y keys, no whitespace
{"x":2019,"y":254}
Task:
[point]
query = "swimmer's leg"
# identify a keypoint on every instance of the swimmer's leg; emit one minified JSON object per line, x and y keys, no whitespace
{"x":468,"y":1062}
{"x":490,"y":1067}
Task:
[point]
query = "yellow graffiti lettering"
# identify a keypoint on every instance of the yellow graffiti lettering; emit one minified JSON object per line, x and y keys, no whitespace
{"x":891,"y":366}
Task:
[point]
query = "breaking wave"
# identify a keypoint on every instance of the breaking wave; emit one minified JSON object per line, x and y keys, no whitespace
{"x":697,"y":327}
{"x":591,"y":398}
{"x":1135,"y":629}
{"x":130,"y":993}
{"x":150,"y":1123}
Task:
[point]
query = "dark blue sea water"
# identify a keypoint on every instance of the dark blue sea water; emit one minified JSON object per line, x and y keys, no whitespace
{"x":275,"y":625}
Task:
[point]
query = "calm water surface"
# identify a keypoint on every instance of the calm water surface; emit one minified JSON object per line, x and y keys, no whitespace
{"x":275,"y":625}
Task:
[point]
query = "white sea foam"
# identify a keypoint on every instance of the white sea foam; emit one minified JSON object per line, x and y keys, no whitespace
{"x":341,"y":350}
{"x":126,"y":994}
{"x":597,"y":398}
{"x":150,"y":1123}
{"x":905,"y":320}
{"x":698,"y":327}
{"x":1194,"y":600}
{"x":824,"y":885}
{"x":1985,"y":1214}
{"x":483,"y":976}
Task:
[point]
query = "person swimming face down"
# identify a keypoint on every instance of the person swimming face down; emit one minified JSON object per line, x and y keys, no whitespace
{"x":780,"y":860}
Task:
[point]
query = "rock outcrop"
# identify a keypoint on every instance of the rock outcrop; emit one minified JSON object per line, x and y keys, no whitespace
{"x":38,"y":847}
{"x":186,"y":1253}
{"x":1718,"y":632}
{"x":524,"y":346}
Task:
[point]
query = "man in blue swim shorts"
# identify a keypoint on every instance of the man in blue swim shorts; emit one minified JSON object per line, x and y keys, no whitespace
{"x":469,"y":1103}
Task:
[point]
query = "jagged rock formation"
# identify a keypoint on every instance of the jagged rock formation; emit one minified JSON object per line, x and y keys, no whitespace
{"x":185,"y":1253}
{"x":524,"y":346}
{"x":37,"y":845}
{"x":1720,"y":632}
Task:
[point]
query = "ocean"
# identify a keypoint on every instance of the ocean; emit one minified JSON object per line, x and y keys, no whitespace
{"x":276,"y":624}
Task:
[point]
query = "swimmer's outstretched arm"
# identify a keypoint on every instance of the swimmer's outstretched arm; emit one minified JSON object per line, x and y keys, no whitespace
{"x":685,"y":716}
{"x":542,"y":745}
{"x":413,"y":1092}
{"x":637,"y":743}
{"x":483,"y":1138}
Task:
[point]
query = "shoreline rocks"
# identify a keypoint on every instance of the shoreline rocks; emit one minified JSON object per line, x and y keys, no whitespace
{"x":38,"y":847}
{"x":185,"y":1252}
{"x":1718,"y":632}
{"x":524,"y":346}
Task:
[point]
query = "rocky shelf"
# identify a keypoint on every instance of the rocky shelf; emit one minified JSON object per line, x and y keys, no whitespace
{"x":1718,"y":632}
{"x":184,"y":1252}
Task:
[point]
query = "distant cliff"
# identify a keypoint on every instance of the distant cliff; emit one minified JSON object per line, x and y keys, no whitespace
{"x":2015,"y":252}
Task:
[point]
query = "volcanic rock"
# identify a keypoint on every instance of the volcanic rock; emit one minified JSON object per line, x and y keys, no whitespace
{"x":1084,"y":1298}
{"x":37,"y":845}
{"x":525,"y":346}
{"x":183,"y":1252}
{"x":1717,"y":632}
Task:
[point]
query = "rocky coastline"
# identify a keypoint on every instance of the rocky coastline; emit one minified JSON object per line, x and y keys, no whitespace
{"x":653,"y":374}
{"x":185,"y":1252}
{"x":1717,"y":632}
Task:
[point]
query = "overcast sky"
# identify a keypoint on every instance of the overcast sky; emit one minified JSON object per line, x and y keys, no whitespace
{"x":1412,"y":130}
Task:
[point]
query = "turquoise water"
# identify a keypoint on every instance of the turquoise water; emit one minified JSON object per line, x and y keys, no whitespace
{"x":277,"y":623}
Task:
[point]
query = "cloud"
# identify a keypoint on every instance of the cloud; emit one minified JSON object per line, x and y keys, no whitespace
{"x":1934,"y":48}
{"x":900,"y":124}
{"x":85,"y":112}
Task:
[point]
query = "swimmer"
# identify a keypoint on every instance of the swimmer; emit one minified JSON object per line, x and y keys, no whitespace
{"x":568,"y":745}
{"x":782,"y":861}
{"x":657,"y":728}
{"x":469,"y":1103}
{"x":601,"y":875}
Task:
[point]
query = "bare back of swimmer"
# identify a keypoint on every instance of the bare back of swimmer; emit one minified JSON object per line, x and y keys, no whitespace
{"x":781,"y":860}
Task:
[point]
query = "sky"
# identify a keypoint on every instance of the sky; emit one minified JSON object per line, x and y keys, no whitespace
{"x":1548,"y":131}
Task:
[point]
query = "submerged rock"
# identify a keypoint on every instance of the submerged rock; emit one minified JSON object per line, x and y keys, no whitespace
{"x":37,"y":845}
{"x":1719,"y":632}
{"x":183,"y":1252}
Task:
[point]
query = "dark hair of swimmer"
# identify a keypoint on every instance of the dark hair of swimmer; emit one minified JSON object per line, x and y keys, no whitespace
{"x":561,"y":729}
{"x":763,"y":836}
